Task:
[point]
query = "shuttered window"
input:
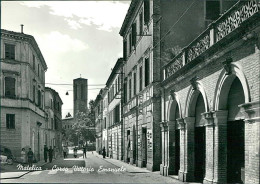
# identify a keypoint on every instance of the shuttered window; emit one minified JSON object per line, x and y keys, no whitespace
{"x":147,"y":71}
{"x":9,"y":87}
{"x":9,"y":51}
{"x":134,"y":34}
{"x":146,"y":11}
{"x":10,"y":121}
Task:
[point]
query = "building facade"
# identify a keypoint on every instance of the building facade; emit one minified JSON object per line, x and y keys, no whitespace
{"x":53,"y":106}
{"x":210,"y":102}
{"x":98,"y":110}
{"x":114,"y":123}
{"x":22,"y":93}
{"x":141,"y":108}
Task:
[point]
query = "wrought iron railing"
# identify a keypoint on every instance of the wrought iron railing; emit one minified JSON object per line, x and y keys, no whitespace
{"x":227,"y":23}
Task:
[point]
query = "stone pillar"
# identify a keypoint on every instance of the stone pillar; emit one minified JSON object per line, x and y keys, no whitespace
{"x":181,"y":125}
{"x":251,"y":112}
{"x":220,"y":147}
{"x":209,"y":165}
{"x":163,"y":166}
{"x":189,"y":149}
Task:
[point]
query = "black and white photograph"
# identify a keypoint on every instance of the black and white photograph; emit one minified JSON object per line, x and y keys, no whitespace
{"x":130,"y":91}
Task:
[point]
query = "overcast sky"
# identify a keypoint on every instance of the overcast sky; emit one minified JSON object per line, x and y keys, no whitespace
{"x":75,"y":38}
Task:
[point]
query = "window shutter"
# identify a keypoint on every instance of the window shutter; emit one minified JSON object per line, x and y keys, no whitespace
{"x":125,"y":50}
{"x":134,"y":34}
{"x":146,"y":11}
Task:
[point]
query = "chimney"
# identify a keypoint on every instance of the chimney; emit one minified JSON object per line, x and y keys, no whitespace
{"x":21,"y":28}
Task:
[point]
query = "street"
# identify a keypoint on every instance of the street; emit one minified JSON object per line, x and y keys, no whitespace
{"x":94,"y":169}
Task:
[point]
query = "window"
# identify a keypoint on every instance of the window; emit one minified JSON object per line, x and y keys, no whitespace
{"x":10,"y":121}
{"x":76,"y":92}
{"x":9,"y":51}
{"x":9,"y":87}
{"x":34,"y":93}
{"x":34,"y":62}
{"x":118,"y":83}
{"x":116,"y":86}
{"x":146,"y":11}
{"x":117,"y":114}
{"x":51,"y":104}
{"x":141,"y":23}
{"x":140,"y":78}
{"x":134,"y":83}
{"x":130,"y":88}
{"x":212,"y":9}
{"x":125,"y":91}
{"x":38,"y":69}
{"x":134,"y":34}
{"x":82,"y":91}
{"x":39,"y":98}
{"x":130,"y":43}
{"x":147,"y":71}
{"x":125,"y":50}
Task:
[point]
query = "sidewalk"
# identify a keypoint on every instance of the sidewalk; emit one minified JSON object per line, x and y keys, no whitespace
{"x":12,"y":171}
{"x":129,"y":168}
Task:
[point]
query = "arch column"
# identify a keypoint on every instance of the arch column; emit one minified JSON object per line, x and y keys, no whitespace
{"x":220,"y":147}
{"x":164,"y":132}
{"x":209,"y":166}
{"x":181,"y":125}
{"x":171,"y":147}
{"x":188,"y":136}
{"x":251,"y":111}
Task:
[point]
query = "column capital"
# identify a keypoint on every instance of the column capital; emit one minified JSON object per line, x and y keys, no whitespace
{"x":220,"y":117}
{"x":164,"y":126}
{"x":251,"y":111}
{"x":189,"y":122}
{"x":180,"y":122}
{"x":208,"y":116}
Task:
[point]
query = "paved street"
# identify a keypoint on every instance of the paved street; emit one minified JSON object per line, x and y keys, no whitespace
{"x":90,"y":170}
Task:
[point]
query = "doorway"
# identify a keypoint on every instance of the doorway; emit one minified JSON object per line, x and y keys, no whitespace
{"x":144,"y":147}
{"x":235,"y":151}
{"x":177,"y":152}
{"x":200,"y":153}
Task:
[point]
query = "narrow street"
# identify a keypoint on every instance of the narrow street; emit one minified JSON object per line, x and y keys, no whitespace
{"x":90,"y":170}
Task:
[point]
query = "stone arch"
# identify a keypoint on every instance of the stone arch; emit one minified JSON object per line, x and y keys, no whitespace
{"x":224,"y":83}
{"x":192,"y":98}
{"x":174,"y":101}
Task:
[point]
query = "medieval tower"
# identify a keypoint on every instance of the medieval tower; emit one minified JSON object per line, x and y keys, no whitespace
{"x":80,"y":99}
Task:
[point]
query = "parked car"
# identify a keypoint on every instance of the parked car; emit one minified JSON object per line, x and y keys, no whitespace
{"x":5,"y":151}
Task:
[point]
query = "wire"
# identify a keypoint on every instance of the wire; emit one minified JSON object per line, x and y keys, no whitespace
{"x":72,"y":84}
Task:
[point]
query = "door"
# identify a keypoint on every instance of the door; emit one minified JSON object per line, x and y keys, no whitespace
{"x":144,"y":146}
{"x":235,"y":151}
{"x":200,"y":153}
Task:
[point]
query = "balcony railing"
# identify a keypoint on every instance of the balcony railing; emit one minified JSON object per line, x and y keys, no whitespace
{"x":227,"y":23}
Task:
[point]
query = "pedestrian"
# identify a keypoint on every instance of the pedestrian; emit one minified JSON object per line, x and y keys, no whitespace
{"x":64,"y":151}
{"x":45,"y":152}
{"x":30,"y":157}
{"x":75,"y":152}
{"x":50,"y":154}
{"x":104,"y":152}
{"x":84,"y":152}
{"x":67,"y":151}
{"x":23,"y":156}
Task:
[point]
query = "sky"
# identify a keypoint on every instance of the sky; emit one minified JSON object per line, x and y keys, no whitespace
{"x":76,"y":38}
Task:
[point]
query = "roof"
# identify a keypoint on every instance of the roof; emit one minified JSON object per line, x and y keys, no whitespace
{"x":128,"y":16}
{"x":55,"y":93}
{"x":25,"y":37}
{"x":118,"y":64}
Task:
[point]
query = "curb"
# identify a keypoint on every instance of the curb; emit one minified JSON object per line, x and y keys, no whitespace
{"x":123,"y":162}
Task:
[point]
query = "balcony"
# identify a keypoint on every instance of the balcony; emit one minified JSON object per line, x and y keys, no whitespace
{"x":236,"y":17}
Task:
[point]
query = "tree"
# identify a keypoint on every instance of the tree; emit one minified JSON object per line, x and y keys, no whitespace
{"x":83,"y":126}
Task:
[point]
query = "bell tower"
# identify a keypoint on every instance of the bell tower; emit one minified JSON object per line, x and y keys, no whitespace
{"x":80,"y":99}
